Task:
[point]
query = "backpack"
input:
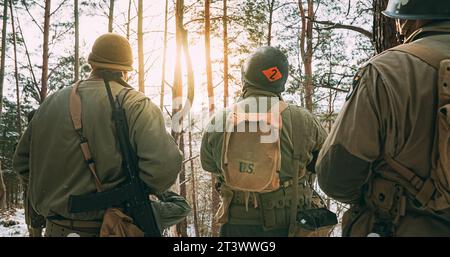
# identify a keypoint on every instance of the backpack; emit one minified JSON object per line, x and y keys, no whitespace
{"x":249,"y":163}
{"x":433,"y":192}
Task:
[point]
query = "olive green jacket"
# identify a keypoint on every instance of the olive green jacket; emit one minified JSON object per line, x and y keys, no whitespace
{"x":49,"y":155}
{"x":392,"y":109}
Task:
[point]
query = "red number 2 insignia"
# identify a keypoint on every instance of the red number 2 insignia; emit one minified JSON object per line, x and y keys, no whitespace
{"x":272,"y":74}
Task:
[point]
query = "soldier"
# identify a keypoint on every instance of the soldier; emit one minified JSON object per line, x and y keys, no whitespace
{"x":382,"y":155}
{"x":49,"y":157}
{"x":261,"y":180}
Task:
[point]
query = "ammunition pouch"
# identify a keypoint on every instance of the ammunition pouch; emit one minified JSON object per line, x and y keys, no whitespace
{"x":384,"y":205}
{"x":273,"y":208}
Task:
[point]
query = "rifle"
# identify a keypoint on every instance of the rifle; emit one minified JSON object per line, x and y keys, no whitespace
{"x":134,"y":194}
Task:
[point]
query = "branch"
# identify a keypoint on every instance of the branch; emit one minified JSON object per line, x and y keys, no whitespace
{"x":57,"y":8}
{"x":32,"y":18}
{"x":344,"y":26}
{"x":202,"y":19}
{"x":190,"y":159}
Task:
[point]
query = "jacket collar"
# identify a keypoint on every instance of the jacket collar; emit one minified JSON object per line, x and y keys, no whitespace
{"x":431,"y":28}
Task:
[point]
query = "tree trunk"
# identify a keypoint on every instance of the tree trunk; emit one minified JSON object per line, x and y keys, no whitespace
{"x":194,"y":193}
{"x":271,"y":4}
{"x":182,"y":226}
{"x":140,"y":47}
{"x":209,"y":78}
{"x":111,"y":16}
{"x":209,"y":83}
{"x":189,"y":102}
{"x":384,"y":29}
{"x":225,"y":55}
{"x":306,"y":50}
{"x":128,"y":19}
{"x":16,"y":71}
{"x":3,"y":54}
{"x":44,"y":79}
{"x":177,"y":89}
{"x":163,"y":75}
{"x":76,"y":66}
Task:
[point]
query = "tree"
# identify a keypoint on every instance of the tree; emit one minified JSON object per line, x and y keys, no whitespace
{"x":128,"y":19}
{"x":16,"y":71}
{"x":306,"y":49}
{"x":209,"y":78}
{"x":270,"y":4}
{"x":76,"y":66}
{"x":3,"y":54}
{"x":44,"y":78}
{"x":140,"y":35}
{"x":193,"y":185}
{"x":384,"y":29}
{"x":111,"y":16}
{"x":209,"y":84}
{"x":178,"y":110}
{"x":163,"y":75}
{"x":225,"y":54}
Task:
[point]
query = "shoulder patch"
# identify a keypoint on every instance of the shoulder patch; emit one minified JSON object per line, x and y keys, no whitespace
{"x":355,"y":83}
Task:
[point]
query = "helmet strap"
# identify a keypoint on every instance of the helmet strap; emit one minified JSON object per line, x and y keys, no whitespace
{"x":399,"y":27}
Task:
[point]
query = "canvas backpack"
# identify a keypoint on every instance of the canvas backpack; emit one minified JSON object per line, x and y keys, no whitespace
{"x":433,"y":192}
{"x":248,"y":163}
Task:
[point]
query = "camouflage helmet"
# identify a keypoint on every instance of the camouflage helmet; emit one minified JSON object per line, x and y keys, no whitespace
{"x":418,"y":9}
{"x":111,"y":51}
{"x":267,"y":69}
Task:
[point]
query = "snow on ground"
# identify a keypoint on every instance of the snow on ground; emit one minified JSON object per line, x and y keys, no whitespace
{"x":12,"y":223}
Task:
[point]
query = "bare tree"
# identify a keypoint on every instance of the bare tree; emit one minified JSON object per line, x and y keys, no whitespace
{"x":111,"y":16}
{"x":182,"y":45}
{"x":209,"y":78}
{"x":45,"y":55}
{"x":193,"y":185}
{"x":163,"y":75}
{"x":2,"y":65}
{"x":16,"y":71}
{"x":225,"y":54}
{"x":128,"y":19}
{"x":306,"y":49}
{"x":76,"y":66}
{"x":211,"y":106}
{"x":140,"y":35}
{"x":271,"y":4}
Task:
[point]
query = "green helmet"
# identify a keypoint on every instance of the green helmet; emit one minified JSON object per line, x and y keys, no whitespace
{"x":267,"y":69}
{"x":418,"y":9}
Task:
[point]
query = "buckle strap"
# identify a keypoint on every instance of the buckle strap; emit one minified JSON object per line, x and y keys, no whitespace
{"x":75,"y":110}
{"x":424,"y":189}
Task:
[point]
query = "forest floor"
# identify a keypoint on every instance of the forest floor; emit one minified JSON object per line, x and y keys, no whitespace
{"x":12,"y":223}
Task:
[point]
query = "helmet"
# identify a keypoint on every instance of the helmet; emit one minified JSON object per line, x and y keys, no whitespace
{"x":267,"y":68}
{"x":418,"y":9}
{"x":111,"y":51}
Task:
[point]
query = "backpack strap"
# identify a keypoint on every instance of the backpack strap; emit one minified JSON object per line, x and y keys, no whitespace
{"x":234,"y":118}
{"x":75,"y":110}
{"x":432,"y":57}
